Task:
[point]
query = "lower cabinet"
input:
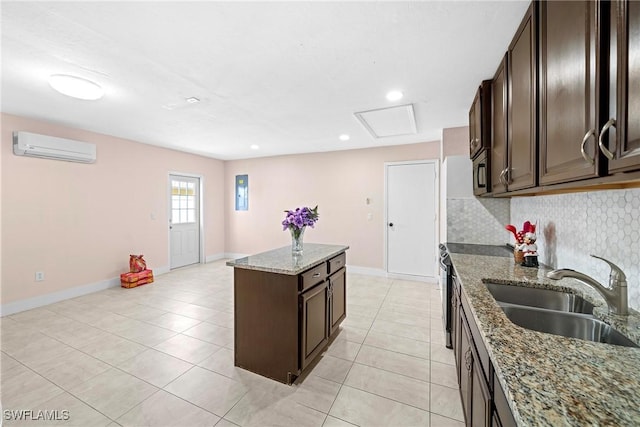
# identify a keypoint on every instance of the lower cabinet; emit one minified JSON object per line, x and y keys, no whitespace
{"x":283,"y":322}
{"x":474,"y":390}
{"x":481,"y":403}
{"x":314,"y":322}
{"x":322,"y":309}
{"x":337,"y":299}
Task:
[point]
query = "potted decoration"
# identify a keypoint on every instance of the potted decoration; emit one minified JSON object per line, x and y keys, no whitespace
{"x":525,"y":251}
{"x":297,"y":221}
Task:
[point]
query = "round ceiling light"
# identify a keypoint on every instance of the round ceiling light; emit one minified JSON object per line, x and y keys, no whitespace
{"x":344,"y":137}
{"x":255,"y":147}
{"x":394,"y":95}
{"x":76,"y":87}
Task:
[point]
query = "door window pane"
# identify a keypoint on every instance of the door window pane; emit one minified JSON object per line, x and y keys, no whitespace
{"x":183,"y":202}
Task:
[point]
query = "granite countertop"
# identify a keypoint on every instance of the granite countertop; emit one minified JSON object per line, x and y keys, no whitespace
{"x":283,"y":262}
{"x":550,"y":380}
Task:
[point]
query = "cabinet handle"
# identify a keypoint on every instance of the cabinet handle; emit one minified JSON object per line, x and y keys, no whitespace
{"x":608,"y":154}
{"x":468,"y":359}
{"x":480,"y":166}
{"x":315,"y":276}
{"x":591,"y":132}
{"x":503,"y":177}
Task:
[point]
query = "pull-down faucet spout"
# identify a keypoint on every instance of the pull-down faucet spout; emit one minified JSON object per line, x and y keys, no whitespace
{"x":615,"y":295}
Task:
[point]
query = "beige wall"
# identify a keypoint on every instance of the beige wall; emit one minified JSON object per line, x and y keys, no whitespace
{"x":78,"y":223}
{"x":339,"y":182}
{"x":455,"y":141}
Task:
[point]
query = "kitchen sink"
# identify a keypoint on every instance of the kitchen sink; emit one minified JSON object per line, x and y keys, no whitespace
{"x":541,"y":298}
{"x":582,"y":326}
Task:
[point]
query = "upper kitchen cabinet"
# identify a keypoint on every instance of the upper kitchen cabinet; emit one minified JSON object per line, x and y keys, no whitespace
{"x":521,"y":119}
{"x":498,"y":152}
{"x":620,"y":134}
{"x":479,"y":120}
{"x":568,"y":91}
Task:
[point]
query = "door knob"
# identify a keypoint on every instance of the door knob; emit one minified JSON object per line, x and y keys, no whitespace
{"x":390,"y":224}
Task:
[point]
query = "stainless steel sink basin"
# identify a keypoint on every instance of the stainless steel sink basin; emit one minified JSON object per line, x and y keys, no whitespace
{"x":581,"y":326}
{"x":542,"y":298}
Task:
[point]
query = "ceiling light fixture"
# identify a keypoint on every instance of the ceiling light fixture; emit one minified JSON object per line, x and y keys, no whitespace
{"x":394,"y":95}
{"x":344,"y":137}
{"x":76,"y":87}
{"x":255,"y":147}
{"x":192,"y":100}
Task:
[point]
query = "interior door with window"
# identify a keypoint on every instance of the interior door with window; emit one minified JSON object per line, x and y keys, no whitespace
{"x":411,"y":218}
{"x":184,"y":221}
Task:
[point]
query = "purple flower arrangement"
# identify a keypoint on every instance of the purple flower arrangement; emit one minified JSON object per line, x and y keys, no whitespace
{"x":300,"y":218}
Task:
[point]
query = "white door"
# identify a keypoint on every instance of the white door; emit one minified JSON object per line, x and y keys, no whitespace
{"x":411,"y":218}
{"x":184,"y":220}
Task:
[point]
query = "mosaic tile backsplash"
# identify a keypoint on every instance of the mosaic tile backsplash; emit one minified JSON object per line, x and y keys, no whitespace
{"x":475,"y":220}
{"x":573,"y":226}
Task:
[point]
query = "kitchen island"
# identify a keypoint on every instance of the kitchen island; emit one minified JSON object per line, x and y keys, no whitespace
{"x":542,"y":379}
{"x":287,"y":308}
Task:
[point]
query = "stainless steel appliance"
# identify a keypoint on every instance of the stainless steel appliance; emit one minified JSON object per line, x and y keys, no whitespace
{"x":481,"y":173}
{"x":447,"y":274}
{"x":446,"y":289}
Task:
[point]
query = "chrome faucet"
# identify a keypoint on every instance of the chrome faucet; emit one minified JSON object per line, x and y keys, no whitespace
{"x":615,"y":294}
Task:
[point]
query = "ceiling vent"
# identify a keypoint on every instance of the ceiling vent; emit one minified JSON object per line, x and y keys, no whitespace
{"x":386,"y":122}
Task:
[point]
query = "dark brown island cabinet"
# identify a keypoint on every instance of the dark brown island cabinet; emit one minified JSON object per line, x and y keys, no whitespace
{"x":287,"y":308}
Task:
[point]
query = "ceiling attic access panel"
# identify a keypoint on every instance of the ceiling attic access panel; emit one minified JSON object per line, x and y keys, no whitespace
{"x":388,"y":122}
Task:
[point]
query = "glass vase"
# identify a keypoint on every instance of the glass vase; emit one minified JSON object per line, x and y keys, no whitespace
{"x":296,"y":240}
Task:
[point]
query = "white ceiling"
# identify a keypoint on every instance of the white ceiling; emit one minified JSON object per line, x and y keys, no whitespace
{"x":287,"y":76}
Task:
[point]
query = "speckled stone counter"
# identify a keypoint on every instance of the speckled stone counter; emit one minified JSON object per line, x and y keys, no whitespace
{"x":551,"y":380}
{"x":283,"y":262}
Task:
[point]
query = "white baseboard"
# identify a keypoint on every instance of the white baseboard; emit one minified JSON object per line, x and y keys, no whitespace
{"x":78,"y":291}
{"x":378,"y":272}
{"x":214,"y":257}
{"x":234,"y":255}
{"x":157,"y":271}
{"x":42,"y":300}
{"x":408,"y":277}
{"x":367,"y":271}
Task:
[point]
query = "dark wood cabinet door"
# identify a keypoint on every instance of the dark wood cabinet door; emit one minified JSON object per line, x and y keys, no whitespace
{"x":501,"y":412}
{"x":521,"y":111}
{"x":314,"y":322}
{"x":498,"y":160}
{"x":338,"y":305}
{"x":620,"y":134}
{"x":473,"y":140}
{"x":480,"y":395}
{"x":455,"y":328}
{"x":480,"y":120}
{"x":568,"y":91}
{"x":466,"y":373}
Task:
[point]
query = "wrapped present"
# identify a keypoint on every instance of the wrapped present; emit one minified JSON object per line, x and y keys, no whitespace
{"x":137,"y":263}
{"x":131,"y":280}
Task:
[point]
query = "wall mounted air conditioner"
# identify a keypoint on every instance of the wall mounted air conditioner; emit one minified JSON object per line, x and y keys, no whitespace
{"x":50,"y":147}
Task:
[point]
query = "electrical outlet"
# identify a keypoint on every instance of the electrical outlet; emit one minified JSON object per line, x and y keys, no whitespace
{"x":39,"y":276}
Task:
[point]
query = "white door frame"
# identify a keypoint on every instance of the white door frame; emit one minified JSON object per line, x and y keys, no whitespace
{"x":435,"y":162}
{"x":200,"y":177}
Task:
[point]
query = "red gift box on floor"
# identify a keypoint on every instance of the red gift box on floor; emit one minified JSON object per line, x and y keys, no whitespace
{"x":131,"y":280}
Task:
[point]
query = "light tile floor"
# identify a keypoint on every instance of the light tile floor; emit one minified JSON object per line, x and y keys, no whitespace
{"x":162,"y":355}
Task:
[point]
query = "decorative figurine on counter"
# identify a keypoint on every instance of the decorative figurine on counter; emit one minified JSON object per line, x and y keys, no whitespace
{"x":530,"y":250}
{"x":525,"y":250}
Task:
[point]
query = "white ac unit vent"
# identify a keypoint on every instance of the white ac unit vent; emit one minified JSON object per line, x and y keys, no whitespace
{"x":51,"y":147}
